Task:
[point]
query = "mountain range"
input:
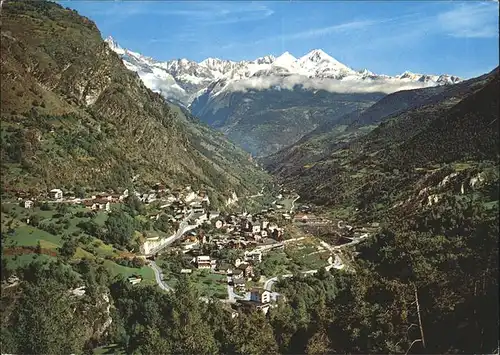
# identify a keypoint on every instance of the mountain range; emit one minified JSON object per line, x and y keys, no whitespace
{"x":268,"y":103}
{"x":184,"y":80}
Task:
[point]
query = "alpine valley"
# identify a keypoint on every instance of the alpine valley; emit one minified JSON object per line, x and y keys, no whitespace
{"x":280,"y":205}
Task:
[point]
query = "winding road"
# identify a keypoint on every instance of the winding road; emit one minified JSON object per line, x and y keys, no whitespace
{"x":183,"y":228}
{"x":293,"y":204}
{"x":337,"y":264}
{"x":163,"y":285}
{"x":259,"y":194}
{"x":159,"y":281}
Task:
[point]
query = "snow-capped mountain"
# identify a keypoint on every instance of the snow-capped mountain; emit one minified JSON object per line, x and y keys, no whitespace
{"x":184,"y":80}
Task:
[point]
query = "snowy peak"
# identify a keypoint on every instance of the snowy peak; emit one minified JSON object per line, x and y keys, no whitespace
{"x":184,"y":80}
{"x":317,"y":63}
{"x":114,"y":46}
{"x":285,"y":60}
{"x":268,"y":59}
{"x":318,"y":56}
{"x":443,"y":79}
{"x":409,"y":75}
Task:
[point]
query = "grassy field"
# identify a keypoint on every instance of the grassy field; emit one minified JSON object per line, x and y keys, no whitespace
{"x":146,"y":272}
{"x":16,"y":261}
{"x":209,"y":284}
{"x":276,"y":263}
{"x":307,"y":254}
{"x":25,"y":235}
{"x":109,"y":349}
{"x":19,"y":234}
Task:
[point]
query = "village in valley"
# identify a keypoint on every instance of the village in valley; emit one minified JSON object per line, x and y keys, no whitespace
{"x":236,"y":255}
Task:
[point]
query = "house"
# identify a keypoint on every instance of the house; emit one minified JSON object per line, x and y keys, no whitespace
{"x":255,"y":229}
{"x":79,"y":291}
{"x":305,"y":208}
{"x":13,"y":279}
{"x":227,"y":268}
{"x":300,"y":217}
{"x":103,"y":204}
{"x":255,"y":256}
{"x":28,"y":204}
{"x":239,"y":283}
{"x":191,"y":196}
{"x":134,"y":279}
{"x":189,"y":245}
{"x":56,"y":194}
{"x":247,"y":269}
{"x":213,"y":214}
{"x":203,"y":262}
{"x":186,"y":271}
{"x":246,"y":225}
{"x":104,"y":196}
{"x":272,"y":227}
{"x":264,"y":224}
{"x":264,"y":234}
{"x":96,"y":205}
{"x":213,"y":263}
{"x":254,"y":306}
{"x":237,"y":273}
{"x":260,"y":295}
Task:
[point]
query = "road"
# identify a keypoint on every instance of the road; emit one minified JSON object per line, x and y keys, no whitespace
{"x":183,"y":228}
{"x":353,"y":242}
{"x":275,"y":245}
{"x":293,"y":204}
{"x":337,"y":264}
{"x":259,"y":194}
{"x":163,"y":285}
{"x":159,"y":281}
{"x":232,"y":296}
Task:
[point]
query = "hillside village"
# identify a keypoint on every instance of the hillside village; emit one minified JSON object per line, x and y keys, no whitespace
{"x":227,"y":251}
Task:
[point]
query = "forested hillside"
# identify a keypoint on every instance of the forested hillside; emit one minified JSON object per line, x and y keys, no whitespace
{"x":455,"y":131}
{"x":427,"y":285}
{"x":330,"y":136}
{"x":73,"y":115}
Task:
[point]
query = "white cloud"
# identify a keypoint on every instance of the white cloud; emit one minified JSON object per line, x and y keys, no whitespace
{"x":238,"y":12}
{"x":476,"y":20}
{"x":331,"y":85}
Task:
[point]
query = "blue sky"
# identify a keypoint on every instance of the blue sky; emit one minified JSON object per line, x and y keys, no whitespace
{"x":455,"y":37}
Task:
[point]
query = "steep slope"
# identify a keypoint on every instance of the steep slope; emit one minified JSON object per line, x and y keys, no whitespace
{"x":72,"y":114}
{"x":265,"y":121}
{"x":451,"y":133}
{"x":326,"y":138}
